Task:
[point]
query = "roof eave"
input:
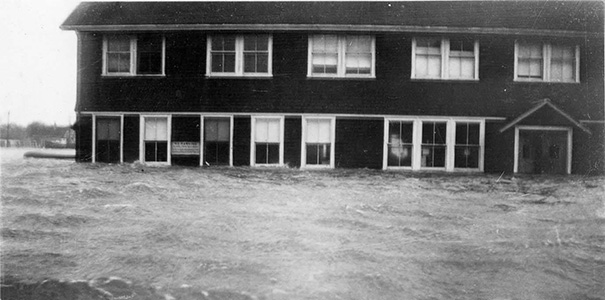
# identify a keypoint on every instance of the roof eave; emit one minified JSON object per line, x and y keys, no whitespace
{"x":545,"y":102}
{"x":334,"y":27}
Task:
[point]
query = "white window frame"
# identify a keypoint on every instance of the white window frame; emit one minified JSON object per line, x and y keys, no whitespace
{"x":341,"y":71}
{"x":450,"y":146}
{"x":239,"y":58}
{"x":544,"y":128}
{"x":445,"y":55}
{"x":94,"y":135}
{"x":202,"y":117}
{"x":133,"y":58}
{"x":303,"y":159}
{"x":253,"y":142}
{"x":546,"y":63}
{"x":142,"y":139}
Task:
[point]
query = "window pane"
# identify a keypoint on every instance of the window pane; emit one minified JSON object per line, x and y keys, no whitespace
{"x":256,"y":53}
{"x":467,"y":134}
{"x":118,"y":54}
{"x":312,"y":131}
{"x":400,"y":155}
{"x":325,"y":43}
{"x":434,"y":133}
{"x":217,"y":129}
{"x":267,"y":130}
{"x":223,"y":43}
{"x":529,"y":62}
{"x":118,"y":44}
{"x":325,"y":54}
{"x":433,"y":156}
{"x":267,"y":153}
{"x":319,"y":131}
{"x":150,"y":63}
{"x":223,"y":54}
{"x":400,"y":144}
{"x":318,"y":154}
{"x":216,"y":153}
{"x":156,"y":151}
{"x":256,"y":43}
{"x":118,"y":62}
{"x":466,"y":157}
{"x":562,"y":65}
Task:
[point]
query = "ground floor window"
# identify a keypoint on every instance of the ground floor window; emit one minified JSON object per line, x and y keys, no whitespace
{"x":468,"y":148}
{"x":400,"y":143}
{"x":318,"y":142}
{"x":449,"y":143}
{"x":155,"y":139}
{"x":108,"y":132}
{"x":433,"y":144}
{"x":217,"y":141}
{"x":267,"y":137}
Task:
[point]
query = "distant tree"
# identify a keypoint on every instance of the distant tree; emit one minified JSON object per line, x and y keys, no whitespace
{"x":12,"y":131}
{"x":40,"y":132}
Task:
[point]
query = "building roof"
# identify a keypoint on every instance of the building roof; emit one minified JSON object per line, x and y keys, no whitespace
{"x":543,"y":104}
{"x":477,"y":16}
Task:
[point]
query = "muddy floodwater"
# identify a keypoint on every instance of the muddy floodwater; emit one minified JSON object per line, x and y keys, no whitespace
{"x":243,"y":233}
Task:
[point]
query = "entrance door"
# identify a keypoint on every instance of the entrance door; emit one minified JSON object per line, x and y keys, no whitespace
{"x":543,"y":151}
{"x":108,"y":140}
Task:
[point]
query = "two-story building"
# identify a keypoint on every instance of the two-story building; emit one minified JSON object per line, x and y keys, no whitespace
{"x":496,"y":86}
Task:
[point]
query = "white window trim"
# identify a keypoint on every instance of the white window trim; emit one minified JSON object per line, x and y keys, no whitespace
{"x":450,"y":146}
{"x":253,"y":143}
{"x":544,"y":128}
{"x":340,"y":67}
{"x":445,"y":55}
{"x":202,"y":117}
{"x":239,"y":59}
{"x":303,"y":158}
{"x":133,"y":59}
{"x":546,"y":62}
{"x":94,"y":135}
{"x":142,"y":139}
{"x":385,"y":148}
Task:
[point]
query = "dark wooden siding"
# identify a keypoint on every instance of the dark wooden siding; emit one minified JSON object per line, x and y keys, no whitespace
{"x":131,"y":138}
{"x":185,"y":88}
{"x":359,"y":143}
{"x":185,"y":129}
{"x":83,"y":128}
{"x":241,"y":141}
{"x":499,"y":149}
{"x":292,"y":140}
{"x":588,"y":157}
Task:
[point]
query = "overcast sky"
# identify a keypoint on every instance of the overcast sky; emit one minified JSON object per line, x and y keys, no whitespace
{"x":37,"y":62}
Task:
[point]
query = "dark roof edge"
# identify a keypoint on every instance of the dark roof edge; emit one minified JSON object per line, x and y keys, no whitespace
{"x":545,"y":102}
{"x":331,"y":27}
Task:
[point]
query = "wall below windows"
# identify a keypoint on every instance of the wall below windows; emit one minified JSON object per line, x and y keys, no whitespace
{"x":83,"y":128}
{"x":359,"y":143}
{"x":292,"y":140}
{"x":499,"y":148}
{"x":241,"y":141}
{"x":131,"y":138}
{"x":589,"y":151}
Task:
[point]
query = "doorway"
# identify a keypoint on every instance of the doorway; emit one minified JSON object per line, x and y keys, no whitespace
{"x":543,"y":151}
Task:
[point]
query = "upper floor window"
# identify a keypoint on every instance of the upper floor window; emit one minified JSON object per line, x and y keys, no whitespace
{"x":127,"y":55}
{"x":341,"y":56}
{"x":449,"y":59}
{"x":546,"y":62}
{"x":239,"y":55}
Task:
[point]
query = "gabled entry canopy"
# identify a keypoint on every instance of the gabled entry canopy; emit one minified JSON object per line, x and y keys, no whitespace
{"x":545,"y":113}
